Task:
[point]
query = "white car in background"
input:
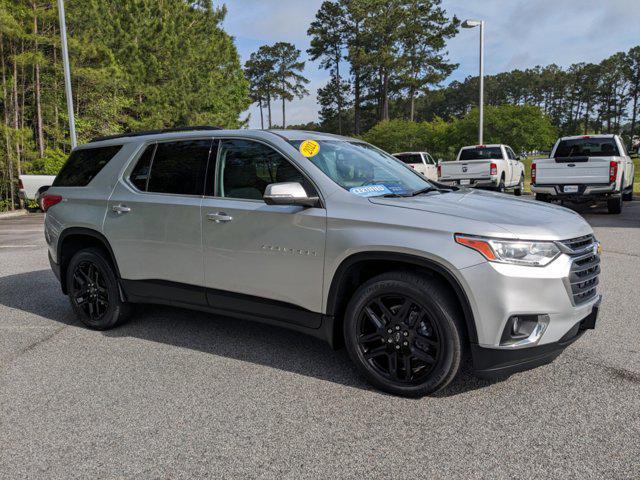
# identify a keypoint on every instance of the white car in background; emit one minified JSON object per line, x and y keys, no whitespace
{"x":421,"y":162}
{"x":33,"y":187}
{"x":494,"y":167}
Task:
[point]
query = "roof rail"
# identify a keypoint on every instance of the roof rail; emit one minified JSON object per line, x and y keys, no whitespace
{"x":155,"y":132}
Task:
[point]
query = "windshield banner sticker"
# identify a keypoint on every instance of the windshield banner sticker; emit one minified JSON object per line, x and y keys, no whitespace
{"x":370,"y":190}
{"x":309,"y":148}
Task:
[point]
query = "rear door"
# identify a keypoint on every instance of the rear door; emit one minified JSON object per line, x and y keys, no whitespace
{"x":431,"y":168}
{"x":512,"y":170}
{"x":153,"y":217}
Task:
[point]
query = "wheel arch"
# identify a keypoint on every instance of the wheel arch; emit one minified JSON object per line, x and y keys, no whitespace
{"x":359,"y":267}
{"x":72,"y":240}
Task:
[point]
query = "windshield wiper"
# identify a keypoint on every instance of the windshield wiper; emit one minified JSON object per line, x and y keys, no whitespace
{"x":422,"y":190}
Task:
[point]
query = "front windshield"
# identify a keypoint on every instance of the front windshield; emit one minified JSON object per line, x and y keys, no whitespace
{"x":365,"y":170}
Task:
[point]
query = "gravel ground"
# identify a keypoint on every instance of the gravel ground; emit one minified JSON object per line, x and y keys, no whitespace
{"x":177,"y":394}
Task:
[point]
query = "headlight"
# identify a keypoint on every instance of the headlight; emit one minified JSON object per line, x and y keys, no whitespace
{"x":517,"y":252}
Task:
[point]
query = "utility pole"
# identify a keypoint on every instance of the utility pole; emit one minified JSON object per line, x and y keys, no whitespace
{"x":473,"y":24}
{"x":67,"y":74}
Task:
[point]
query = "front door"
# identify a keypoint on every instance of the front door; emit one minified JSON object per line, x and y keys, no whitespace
{"x":268,"y":252}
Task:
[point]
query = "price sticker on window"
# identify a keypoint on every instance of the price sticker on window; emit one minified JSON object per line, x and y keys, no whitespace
{"x":309,"y":148}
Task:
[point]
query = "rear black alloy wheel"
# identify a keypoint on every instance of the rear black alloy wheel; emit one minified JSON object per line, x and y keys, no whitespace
{"x":90,"y":290}
{"x":93,"y":290}
{"x":398,"y":338}
{"x":500,"y":188}
{"x":404,"y":333}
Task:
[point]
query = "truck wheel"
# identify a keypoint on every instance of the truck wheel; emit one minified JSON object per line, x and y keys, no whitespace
{"x":93,"y":290}
{"x":541,"y":197}
{"x":500,"y":187}
{"x":628,"y":195}
{"x":520,"y":188}
{"x":403,"y":333}
{"x":614,"y":204}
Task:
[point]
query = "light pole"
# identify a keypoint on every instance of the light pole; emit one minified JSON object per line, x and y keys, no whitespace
{"x":473,"y":24}
{"x":67,"y":74}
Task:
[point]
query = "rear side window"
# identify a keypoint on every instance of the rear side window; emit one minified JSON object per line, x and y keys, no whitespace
{"x":179,"y":167}
{"x":481,"y":153}
{"x":140,"y":175}
{"x":409,"y":158}
{"x":83,"y":165}
{"x":587,"y":147}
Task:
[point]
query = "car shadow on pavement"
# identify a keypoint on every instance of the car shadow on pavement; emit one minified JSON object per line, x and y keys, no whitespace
{"x":242,"y":340}
{"x":598,"y":215}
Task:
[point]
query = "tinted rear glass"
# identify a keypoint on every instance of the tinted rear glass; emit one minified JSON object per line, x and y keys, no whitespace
{"x":481,"y":153}
{"x":140,"y":175}
{"x":83,"y":165}
{"x":409,"y":158}
{"x":179,"y":167}
{"x":587,"y":147}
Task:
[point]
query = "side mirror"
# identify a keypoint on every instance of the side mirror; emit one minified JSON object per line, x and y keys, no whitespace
{"x":288,"y":193}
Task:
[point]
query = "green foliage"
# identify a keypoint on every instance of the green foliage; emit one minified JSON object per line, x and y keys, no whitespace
{"x":50,"y":164}
{"x":523,"y":128}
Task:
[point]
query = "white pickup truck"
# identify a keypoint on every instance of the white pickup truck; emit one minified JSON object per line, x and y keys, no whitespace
{"x":31,"y":187}
{"x":421,"y":162}
{"x":587,"y":168}
{"x":484,"y":166}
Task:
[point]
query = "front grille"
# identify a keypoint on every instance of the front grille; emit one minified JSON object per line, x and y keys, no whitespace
{"x":585,"y":268}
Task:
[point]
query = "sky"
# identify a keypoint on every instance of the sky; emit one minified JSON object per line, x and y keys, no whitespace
{"x":518,"y":34}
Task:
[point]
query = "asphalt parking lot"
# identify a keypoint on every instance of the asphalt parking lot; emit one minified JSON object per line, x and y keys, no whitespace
{"x":177,"y":394}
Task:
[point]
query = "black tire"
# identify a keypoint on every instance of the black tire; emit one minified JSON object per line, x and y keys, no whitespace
{"x":614,"y":204}
{"x":400,"y":315}
{"x":93,"y":291}
{"x":541,"y":197}
{"x":628,"y":195}
{"x":500,"y":188}
{"x":519,"y":190}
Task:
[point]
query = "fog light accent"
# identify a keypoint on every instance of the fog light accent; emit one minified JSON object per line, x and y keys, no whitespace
{"x":523,"y":330}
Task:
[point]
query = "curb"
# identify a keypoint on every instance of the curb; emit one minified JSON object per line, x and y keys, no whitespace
{"x":16,"y":213}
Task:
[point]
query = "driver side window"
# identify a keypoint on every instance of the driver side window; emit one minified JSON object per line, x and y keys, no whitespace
{"x":245,"y":168}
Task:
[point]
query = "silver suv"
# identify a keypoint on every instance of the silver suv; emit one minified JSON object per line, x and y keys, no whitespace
{"x":326,"y":235}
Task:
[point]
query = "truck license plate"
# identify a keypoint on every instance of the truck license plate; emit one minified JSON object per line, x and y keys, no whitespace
{"x":570,"y":189}
{"x":465,"y":182}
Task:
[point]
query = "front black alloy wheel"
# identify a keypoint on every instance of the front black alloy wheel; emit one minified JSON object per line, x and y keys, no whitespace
{"x":93,"y":290}
{"x":398,"y":338}
{"x":404,"y":333}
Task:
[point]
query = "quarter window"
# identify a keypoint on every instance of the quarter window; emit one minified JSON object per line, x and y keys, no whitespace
{"x":246,"y":168}
{"x":179,"y":167}
{"x":140,"y":175}
{"x":83,"y":165}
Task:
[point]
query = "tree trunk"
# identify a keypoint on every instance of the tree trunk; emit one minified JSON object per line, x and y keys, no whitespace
{"x":261,"y":115}
{"x":284,"y":120}
{"x":269,"y":108}
{"x":339,"y":92}
{"x":356,"y":101}
{"x":385,"y":96}
{"x":634,"y":113}
{"x":39,"y":126}
{"x":412,"y":98}
{"x":5,"y":102}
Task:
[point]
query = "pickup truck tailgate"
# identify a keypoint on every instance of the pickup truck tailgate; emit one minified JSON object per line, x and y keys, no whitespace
{"x":465,"y":169}
{"x":579,"y":170}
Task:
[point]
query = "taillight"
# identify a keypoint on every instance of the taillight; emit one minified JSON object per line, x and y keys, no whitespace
{"x":49,"y":201}
{"x":533,"y":173}
{"x":613,"y":171}
{"x":439,"y":170}
{"x":494,"y":169}
{"x":20,"y":184}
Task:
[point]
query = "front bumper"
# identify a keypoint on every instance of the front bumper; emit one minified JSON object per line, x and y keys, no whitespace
{"x":492,"y":363}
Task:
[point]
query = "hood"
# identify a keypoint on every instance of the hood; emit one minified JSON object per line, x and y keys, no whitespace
{"x":526,"y":219}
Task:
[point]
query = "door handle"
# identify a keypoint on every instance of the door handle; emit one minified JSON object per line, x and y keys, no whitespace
{"x":219,"y":217}
{"x":120,"y":209}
